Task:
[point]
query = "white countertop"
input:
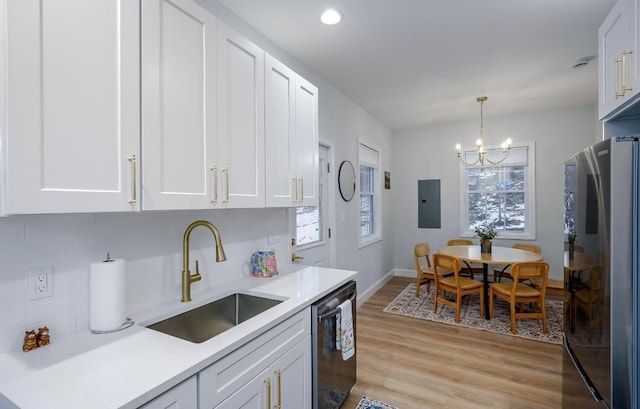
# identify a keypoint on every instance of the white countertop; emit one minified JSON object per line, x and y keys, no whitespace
{"x":128,"y":368}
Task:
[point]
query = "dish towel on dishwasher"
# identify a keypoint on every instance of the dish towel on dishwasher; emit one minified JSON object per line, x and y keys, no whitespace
{"x":344,"y":330}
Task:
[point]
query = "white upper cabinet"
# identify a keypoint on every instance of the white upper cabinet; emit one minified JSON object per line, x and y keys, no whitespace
{"x":618,"y":62}
{"x":114,"y":105}
{"x":71,"y":123}
{"x":306,"y":130}
{"x":279,"y":134}
{"x":179,"y":144}
{"x":239,"y":168}
{"x":291,"y":124}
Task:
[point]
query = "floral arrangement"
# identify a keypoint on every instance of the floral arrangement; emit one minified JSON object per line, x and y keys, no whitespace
{"x":486,"y":232}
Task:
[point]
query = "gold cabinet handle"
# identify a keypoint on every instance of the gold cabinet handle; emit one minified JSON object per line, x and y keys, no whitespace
{"x":214,"y":183}
{"x":267,"y":383}
{"x":624,"y":88}
{"x":294,"y":257}
{"x":225,"y":171}
{"x":301,"y":190}
{"x":294,"y":182}
{"x":616,"y":77}
{"x":134,"y":190}
{"x":279,"y":391}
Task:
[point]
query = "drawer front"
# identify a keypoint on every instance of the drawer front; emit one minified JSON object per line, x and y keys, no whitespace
{"x":223,"y":378}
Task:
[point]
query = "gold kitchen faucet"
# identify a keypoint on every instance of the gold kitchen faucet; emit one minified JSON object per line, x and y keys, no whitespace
{"x":187,"y":278}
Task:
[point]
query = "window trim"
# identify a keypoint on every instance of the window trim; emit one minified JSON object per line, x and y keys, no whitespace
{"x":377,"y":198}
{"x":530,"y":195}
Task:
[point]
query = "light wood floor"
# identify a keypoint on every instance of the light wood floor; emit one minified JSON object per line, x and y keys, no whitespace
{"x":412,"y":363}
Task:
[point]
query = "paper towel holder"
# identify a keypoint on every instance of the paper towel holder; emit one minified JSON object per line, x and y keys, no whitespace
{"x":129,"y":322}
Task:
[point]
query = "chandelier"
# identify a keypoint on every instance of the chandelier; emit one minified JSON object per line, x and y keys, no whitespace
{"x":506,"y":145}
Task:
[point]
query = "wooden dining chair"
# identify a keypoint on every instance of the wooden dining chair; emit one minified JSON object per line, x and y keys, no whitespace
{"x":466,"y":242}
{"x":499,"y":274}
{"x":519,"y":294}
{"x":459,"y":242}
{"x":424,"y":270}
{"x":590,"y":300}
{"x":460,"y":286}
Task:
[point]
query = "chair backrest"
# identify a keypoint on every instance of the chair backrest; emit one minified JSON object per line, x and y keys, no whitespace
{"x":443,"y":263}
{"x":596,"y":283}
{"x":528,"y":247}
{"x":459,"y":242}
{"x":578,"y":249}
{"x":421,"y":250}
{"x":528,"y":271}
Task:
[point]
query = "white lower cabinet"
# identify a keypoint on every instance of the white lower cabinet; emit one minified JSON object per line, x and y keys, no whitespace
{"x":181,"y":396}
{"x":274,"y":367}
{"x":284,"y":385}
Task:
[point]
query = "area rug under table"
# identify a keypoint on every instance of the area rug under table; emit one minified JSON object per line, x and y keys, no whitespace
{"x":422,"y":307}
{"x":368,"y":403}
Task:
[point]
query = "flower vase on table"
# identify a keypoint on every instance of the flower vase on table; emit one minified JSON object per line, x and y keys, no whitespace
{"x":486,"y":233}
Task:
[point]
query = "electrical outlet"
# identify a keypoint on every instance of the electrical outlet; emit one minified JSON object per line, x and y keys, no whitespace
{"x":40,"y":282}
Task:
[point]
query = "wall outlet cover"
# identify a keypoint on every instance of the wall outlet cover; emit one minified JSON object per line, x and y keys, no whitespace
{"x":39,"y":282}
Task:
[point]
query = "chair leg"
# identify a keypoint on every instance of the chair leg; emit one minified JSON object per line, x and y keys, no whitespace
{"x":428,"y":285}
{"x":543,"y":309}
{"x":514,"y":329}
{"x":418,"y":280}
{"x":490,"y":303}
{"x":458,"y":306}
{"x":435,"y":299}
{"x":482,"y":301}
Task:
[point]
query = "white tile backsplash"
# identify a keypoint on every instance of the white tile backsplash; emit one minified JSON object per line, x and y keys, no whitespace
{"x":151,"y":244}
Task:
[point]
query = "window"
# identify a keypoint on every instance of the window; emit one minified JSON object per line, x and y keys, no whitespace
{"x":500,"y":195}
{"x":370,"y":200}
{"x":310,"y":220}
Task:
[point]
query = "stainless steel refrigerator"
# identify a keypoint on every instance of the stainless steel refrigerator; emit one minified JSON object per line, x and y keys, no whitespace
{"x":600,"y":363}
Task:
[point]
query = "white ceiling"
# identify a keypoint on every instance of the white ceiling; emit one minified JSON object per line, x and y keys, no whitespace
{"x":417,"y":62}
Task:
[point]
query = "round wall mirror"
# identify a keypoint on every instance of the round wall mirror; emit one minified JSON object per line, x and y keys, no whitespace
{"x":347,"y":180}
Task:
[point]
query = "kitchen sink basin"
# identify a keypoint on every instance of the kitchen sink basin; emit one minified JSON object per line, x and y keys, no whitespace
{"x":209,"y":320}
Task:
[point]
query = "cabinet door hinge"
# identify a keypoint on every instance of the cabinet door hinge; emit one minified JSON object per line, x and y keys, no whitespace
{"x":329,"y":233}
{"x":328,"y":167}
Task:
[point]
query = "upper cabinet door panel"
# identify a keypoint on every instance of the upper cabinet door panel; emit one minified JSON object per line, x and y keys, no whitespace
{"x":73,"y":105}
{"x":279,"y":133}
{"x":179,"y":104}
{"x":615,"y":61}
{"x":240,"y":120}
{"x":306,"y":129}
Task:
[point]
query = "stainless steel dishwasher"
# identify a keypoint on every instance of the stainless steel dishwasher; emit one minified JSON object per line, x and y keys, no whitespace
{"x":333,"y":377}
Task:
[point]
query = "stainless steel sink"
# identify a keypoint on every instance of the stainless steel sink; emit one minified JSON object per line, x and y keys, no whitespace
{"x":209,"y":320}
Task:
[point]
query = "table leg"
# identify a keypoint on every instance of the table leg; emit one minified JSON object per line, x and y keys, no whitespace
{"x":485,"y":277}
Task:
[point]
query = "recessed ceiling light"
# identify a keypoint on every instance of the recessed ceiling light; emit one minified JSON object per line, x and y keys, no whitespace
{"x":331,"y":17}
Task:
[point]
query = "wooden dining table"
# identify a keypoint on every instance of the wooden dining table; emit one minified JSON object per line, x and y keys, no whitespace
{"x":502,"y":256}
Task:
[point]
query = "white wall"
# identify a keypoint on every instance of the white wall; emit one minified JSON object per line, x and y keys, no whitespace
{"x":429,"y":153}
{"x":152,"y":242}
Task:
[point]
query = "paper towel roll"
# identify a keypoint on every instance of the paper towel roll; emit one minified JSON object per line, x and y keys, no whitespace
{"x":107,"y":295}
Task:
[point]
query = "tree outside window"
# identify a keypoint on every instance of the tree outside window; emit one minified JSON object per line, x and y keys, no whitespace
{"x":501,"y":195}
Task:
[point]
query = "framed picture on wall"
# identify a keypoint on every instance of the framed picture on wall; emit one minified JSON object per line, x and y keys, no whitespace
{"x":387,"y":180}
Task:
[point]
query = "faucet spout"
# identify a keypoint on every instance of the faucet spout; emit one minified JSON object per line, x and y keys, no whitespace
{"x":187,"y":277}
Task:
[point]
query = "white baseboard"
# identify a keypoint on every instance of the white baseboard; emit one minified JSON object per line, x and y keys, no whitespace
{"x":404,"y":272}
{"x":364,"y":296}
